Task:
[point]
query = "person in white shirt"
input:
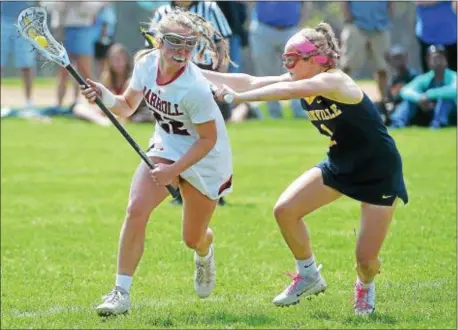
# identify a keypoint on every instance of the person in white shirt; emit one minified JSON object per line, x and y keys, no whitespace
{"x":190,"y":146}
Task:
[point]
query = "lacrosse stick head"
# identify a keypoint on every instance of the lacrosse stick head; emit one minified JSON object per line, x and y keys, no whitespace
{"x":32,"y":25}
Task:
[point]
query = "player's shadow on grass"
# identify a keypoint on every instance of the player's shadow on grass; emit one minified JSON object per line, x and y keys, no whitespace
{"x":254,"y":319}
{"x":320,"y":315}
{"x":217,"y":319}
{"x":377,"y":317}
{"x":244,"y":205}
{"x":357,"y":320}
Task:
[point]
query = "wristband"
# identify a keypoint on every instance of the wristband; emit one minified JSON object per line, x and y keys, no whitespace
{"x":108,"y":98}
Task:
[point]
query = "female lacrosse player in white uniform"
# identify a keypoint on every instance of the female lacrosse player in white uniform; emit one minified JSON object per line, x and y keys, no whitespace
{"x":190,"y":147}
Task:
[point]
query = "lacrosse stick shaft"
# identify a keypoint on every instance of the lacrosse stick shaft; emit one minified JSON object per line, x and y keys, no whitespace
{"x":121,"y":129}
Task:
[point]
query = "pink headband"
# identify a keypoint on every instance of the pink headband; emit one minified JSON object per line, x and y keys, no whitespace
{"x":307,"y":48}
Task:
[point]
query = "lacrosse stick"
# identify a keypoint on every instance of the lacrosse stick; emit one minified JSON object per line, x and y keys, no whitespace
{"x":149,"y":37}
{"x":32,"y":25}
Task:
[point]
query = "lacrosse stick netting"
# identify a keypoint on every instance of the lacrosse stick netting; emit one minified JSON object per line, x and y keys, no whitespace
{"x":32,"y":23}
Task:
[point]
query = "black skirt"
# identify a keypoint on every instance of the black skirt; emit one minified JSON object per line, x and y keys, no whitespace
{"x":381,"y":188}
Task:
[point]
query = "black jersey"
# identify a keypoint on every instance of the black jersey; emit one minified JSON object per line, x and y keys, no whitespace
{"x":361,"y":152}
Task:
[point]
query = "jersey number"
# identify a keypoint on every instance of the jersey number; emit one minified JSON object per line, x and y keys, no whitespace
{"x":170,"y":126}
{"x":330,"y":133}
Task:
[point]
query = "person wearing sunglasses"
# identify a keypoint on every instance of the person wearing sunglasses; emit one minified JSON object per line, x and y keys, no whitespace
{"x":363,"y":161}
{"x":190,"y":147}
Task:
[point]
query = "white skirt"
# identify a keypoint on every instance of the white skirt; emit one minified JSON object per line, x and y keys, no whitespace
{"x":212,"y":175}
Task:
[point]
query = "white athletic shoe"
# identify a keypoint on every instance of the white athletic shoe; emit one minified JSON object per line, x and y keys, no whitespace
{"x":364,"y":303}
{"x":114,"y":303}
{"x":205,"y":275}
{"x":302,"y":286}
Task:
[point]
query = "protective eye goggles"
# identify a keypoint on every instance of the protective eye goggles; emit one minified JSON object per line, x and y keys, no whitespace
{"x":290,"y":59}
{"x":175,"y":41}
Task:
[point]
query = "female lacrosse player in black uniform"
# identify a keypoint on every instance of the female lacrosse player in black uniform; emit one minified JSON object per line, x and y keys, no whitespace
{"x":363,"y":161}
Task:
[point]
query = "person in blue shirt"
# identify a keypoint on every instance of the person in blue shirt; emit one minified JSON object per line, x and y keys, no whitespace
{"x":236,"y":15}
{"x":11,"y":42}
{"x":431,"y":95}
{"x":151,"y":6}
{"x":105,"y":25}
{"x":363,"y":161}
{"x":366,"y":34}
{"x":272,"y":24}
{"x":436,"y":25}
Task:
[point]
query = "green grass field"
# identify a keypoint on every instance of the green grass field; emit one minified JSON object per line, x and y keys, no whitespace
{"x":38,"y":81}
{"x":64,"y":192}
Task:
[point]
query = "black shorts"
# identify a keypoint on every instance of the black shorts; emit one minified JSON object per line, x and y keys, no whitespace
{"x":101,"y":50}
{"x":380,"y":190}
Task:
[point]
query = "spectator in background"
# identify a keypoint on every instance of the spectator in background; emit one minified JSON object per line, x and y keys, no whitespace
{"x":24,"y":57}
{"x":366,"y":34}
{"x":115,"y":77}
{"x":436,"y":24}
{"x":273,"y":23}
{"x":105,"y":25}
{"x":79,"y":33}
{"x":151,"y":6}
{"x":402,"y":75}
{"x":434,"y":93}
{"x":236,"y":15}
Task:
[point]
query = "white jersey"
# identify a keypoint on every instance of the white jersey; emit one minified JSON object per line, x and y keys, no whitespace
{"x":177,"y":106}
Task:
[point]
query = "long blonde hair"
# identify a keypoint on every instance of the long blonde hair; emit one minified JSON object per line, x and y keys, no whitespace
{"x":203,"y":29}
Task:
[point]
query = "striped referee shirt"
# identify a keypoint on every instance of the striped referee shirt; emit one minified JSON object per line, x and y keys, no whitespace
{"x":209,"y":10}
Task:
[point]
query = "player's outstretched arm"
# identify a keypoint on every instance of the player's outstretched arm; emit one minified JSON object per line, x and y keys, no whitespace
{"x":121,"y":105}
{"x":241,"y":82}
{"x":322,"y":84}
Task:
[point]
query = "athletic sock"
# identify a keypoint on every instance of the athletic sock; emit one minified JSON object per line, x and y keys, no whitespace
{"x":307,"y":266}
{"x":207,"y":257}
{"x":364,"y":285}
{"x":124,"y":282}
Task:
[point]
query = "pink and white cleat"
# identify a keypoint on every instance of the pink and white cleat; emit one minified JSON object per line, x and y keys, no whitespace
{"x":364,"y":303}
{"x":302,"y":286}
